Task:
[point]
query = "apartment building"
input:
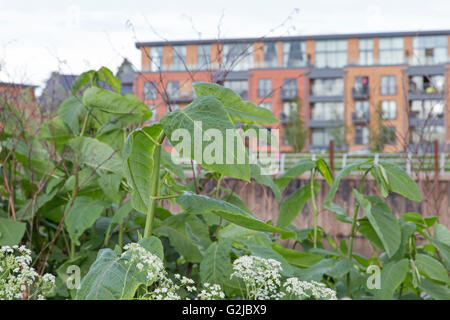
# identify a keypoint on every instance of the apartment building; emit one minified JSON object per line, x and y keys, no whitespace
{"x":354,"y":89}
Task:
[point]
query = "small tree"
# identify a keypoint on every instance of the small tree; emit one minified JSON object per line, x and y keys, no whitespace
{"x":294,"y":130}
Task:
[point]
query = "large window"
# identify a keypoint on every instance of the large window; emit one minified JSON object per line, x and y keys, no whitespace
{"x":327,"y":87}
{"x":320,"y":137}
{"x":150,"y":92}
{"x":427,"y":84}
{"x":391,"y":50}
{"x":365,"y":51}
{"x":388,"y":85}
{"x":331,"y":53}
{"x":426,"y":109}
{"x":238,"y":56}
{"x":327,"y":111}
{"x":361,"y":135}
{"x":156,"y":58}
{"x":270,"y":55}
{"x":288,"y":107}
{"x":179,"y":58}
{"x":238,"y":86}
{"x":173,"y":89}
{"x":264,"y":88}
{"x":361,"y":108}
{"x":294,"y":54}
{"x":429,"y":50}
{"x":203,"y":56}
{"x":428,"y":134}
{"x":388,"y":110}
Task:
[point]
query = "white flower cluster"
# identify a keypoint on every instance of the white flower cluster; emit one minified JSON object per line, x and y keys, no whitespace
{"x":17,"y":279}
{"x":159,"y":285}
{"x":261,"y":277}
{"x":300,"y":290}
{"x":262,"y":280}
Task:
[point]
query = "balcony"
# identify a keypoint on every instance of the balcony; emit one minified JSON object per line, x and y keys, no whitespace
{"x":321,"y":123}
{"x":360,"y":117}
{"x":288,"y":94}
{"x":416,"y":120}
{"x":429,"y":93}
{"x":360,"y":93}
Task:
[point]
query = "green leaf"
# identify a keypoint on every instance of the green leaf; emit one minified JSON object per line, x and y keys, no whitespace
{"x":166,"y":161}
{"x":72,"y":111}
{"x":96,"y":154}
{"x":198,"y":204}
{"x":206,"y":119}
{"x":84,"y":212}
{"x":382,"y":220}
{"x":341,"y":268}
{"x":114,"y":277}
{"x":436,"y":291}
{"x":82,"y":80}
{"x":216,"y":267}
{"x":110,"y":184}
{"x":106,"y":75}
{"x":267,"y":180}
{"x":122,"y":213}
{"x":244,"y":235}
{"x":392,"y":275}
{"x":400,"y":182}
{"x":11,"y":232}
{"x":380,"y":176}
{"x":299,"y":168}
{"x":366,"y":229}
{"x":324,"y":170}
{"x":431,"y":268}
{"x":138,"y":163}
{"x":297,"y":258}
{"x":238,"y":109}
{"x":294,"y":203}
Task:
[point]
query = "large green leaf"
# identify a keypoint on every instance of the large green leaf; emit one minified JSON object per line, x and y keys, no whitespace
{"x":11,"y":232}
{"x":113,"y":277}
{"x":255,"y":171}
{"x":106,"y":75}
{"x":216,"y":267}
{"x":72,"y":111}
{"x":324,"y":170}
{"x":238,"y":109}
{"x":400,"y":182}
{"x":206,"y":119}
{"x":166,"y":161}
{"x":382,"y":220}
{"x":110,"y":184}
{"x":392,"y":275}
{"x":436,"y":291}
{"x":82,"y":80}
{"x":297,"y":258}
{"x":96,"y":154}
{"x":84,"y":212}
{"x":198,"y":204}
{"x":431,"y":268}
{"x":299,"y":168}
{"x":138,"y":163}
{"x":294,"y":203}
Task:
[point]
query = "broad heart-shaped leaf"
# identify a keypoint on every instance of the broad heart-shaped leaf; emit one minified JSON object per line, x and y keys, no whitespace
{"x":238,"y":109}
{"x":294,"y":203}
{"x":431,"y":268}
{"x":81,"y":81}
{"x":166,"y":161}
{"x":106,"y":75}
{"x":72,"y":111}
{"x":96,"y":154}
{"x":138,"y":163}
{"x":11,"y":232}
{"x":110,"y":184}
{"x":327,"y":204}
{"x":223,"y":150}
{"x":297,"y":258}
{"x":299,"y":168}
{"x":255,"y":171}
{"x":216,"y":267}
{"x":392,"y":275}
{"x":84,"y":212}
{"x":382,"y":220}
{"x":199,"y":204}
{"x":113,"y":276}
{"x":435,"y":290}
{"x":324,"y":170}
{"x":400,"y":182}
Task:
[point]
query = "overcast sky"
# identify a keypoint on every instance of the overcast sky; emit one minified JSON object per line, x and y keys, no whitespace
{"x":38,"y":37}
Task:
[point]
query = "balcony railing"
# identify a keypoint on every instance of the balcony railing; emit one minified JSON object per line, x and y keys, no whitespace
{"x":288,"y":94}
{"x":416,"y":120}
{"x":360,"y":93}
{"x":179,"y":97}
{"x":360,"y":117}
{"x":322,"y":123}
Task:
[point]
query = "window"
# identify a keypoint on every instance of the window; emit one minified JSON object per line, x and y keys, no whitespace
{"x":361,"y":84}
{"x":391,"y":50}
{"x":154,"y":113}
{"x":179,"y":58}
{"x":327,"y":87}
{"x":365,"y":51}
{"x":294,"y":54}
{"x":288,"y":107}
{"x":331,"y":53}
{"x":266,"y":105}
{"x":238,"y":86}
{"x":264,"y":87}
{"x":150,"y":92}
{"x":426,"y":84}
{"x":428,"y":134}
{"x":238,"y":56}
{"x":173,"y":89}
{"x":320,"y":137}
{"x":289,"y":90}
{"x":388,"y":135}
{"x":175,"y":107}
{"x":327,"y":111}
{"x":388,"y":85}
{"x":388,"y":110}
{"x":429,"y":50}
{"x":361,"y":135}
{"x":203,"y":56}
{"x":156,"y":58}
{"x":425,"y":109}
{"x":361,"y":109}
{"x":270,"y":55}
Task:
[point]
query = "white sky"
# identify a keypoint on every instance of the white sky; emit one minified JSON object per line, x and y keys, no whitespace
{"x":38,"y":37}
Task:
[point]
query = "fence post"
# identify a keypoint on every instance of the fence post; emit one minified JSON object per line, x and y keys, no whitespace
{"x":331,"y":151}
{"x":313,"y":157}
{"x":282,"y":159}
{"x":442,"y":163}
{"x":436,"y":160}
{"x":408,"y":163}
{"x":344,"y":160}
{"x":376,"y":158}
